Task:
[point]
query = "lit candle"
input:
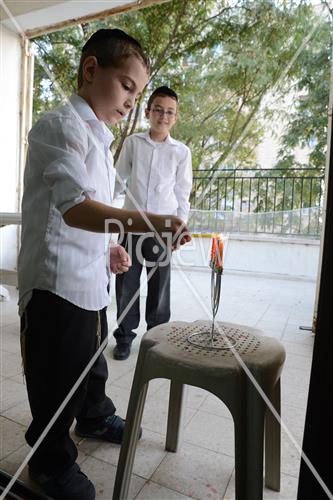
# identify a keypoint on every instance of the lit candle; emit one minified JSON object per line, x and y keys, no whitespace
{"x":219,"y":253}
{"x":213,"y":252}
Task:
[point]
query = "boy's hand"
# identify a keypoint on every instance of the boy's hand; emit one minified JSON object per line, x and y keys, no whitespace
{"x":178,"y":228}
{"x":120,"y":261}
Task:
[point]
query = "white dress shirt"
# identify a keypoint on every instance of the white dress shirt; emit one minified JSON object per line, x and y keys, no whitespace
{"x":158,"y":175}
{"x":68,"y":161}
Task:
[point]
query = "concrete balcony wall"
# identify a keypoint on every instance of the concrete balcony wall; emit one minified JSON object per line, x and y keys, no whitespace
{"x":292,"y":257}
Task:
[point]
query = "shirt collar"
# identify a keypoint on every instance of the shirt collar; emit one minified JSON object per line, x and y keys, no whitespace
{"x":168,"y":140}
{"x":108,"y":135}
{"x":87,"y":114}
{"x":171,"y":141}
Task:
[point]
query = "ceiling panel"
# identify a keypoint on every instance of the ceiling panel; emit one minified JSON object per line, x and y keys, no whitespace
{"x":26,"y":15}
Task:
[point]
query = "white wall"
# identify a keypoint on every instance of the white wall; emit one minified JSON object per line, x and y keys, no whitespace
{"x":258,"y":254}
{"x":10,"y":77}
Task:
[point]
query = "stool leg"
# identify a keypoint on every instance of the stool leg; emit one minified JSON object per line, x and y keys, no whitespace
{"x":130,"y":439}
{"x":175,"y":415}
{"x":249,"y":448}
{"x":240,"y":455}
{"x":273,"y":442}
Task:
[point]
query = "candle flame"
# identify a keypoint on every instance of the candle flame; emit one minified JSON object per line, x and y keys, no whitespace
{"x":216,"y":259}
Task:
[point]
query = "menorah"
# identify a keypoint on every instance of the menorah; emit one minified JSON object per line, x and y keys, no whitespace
{"x":214,"y":338}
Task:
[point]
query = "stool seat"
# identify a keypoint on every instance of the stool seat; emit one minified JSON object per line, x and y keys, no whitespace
{"x":244,"y":378}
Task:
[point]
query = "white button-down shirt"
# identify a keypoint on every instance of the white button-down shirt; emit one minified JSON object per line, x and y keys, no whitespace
{"x":68,"y":161}
{"x":158,"y":175}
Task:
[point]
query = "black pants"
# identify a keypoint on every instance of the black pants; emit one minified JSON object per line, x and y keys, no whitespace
{"x":58,"y":340}
{"x":127,"y":284}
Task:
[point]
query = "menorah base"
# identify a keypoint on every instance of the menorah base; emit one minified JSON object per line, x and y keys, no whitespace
{"x":207,"y":340}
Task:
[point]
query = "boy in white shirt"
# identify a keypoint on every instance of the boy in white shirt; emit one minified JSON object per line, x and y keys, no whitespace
{"x":63,"y":262}
{"x":158,"y":172}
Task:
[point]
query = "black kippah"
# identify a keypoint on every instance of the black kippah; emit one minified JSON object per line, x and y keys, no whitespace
{"x":107,"y":34}
{"x":166,"y":91}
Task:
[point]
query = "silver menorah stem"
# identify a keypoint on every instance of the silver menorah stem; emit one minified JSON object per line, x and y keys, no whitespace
{"x":215,"y":297}
{"x":209,"y":338}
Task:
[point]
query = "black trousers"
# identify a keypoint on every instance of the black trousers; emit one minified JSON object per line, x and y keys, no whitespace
{"x":127,"y":284}
{"x":58,"y":339}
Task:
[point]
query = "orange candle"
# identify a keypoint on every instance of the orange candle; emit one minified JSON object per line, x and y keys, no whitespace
{"x":220,"y":253}
{"x":214,"y":248}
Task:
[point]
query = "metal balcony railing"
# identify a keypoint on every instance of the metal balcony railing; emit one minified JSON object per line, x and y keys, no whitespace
{"x":258,"y":200}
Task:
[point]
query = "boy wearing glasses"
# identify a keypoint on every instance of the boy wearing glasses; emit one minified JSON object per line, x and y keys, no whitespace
{"x":158,"y":172}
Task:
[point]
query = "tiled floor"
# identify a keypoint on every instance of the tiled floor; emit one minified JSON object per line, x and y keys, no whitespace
{"x":203,"y":468}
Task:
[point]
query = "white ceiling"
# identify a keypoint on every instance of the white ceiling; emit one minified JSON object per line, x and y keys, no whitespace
{"x":26,"y":15}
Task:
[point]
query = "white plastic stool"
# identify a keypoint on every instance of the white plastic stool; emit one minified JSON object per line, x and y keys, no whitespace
{"x":166,"y":353}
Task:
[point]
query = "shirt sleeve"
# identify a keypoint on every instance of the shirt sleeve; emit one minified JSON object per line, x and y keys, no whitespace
{"x":62,"y":148}
{"x":123,"y":167}
{"x":183,"y":186}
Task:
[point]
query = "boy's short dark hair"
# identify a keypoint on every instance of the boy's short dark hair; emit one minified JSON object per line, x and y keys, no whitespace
{"x":162,"y":92}
{"x":111,"y":47}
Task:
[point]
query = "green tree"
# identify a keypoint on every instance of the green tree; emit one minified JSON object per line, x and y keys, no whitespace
{"x":222,"y":58}
{"x":307,"y":122}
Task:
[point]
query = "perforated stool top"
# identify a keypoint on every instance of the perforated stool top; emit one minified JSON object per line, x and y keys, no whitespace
{"x":171,"y":340}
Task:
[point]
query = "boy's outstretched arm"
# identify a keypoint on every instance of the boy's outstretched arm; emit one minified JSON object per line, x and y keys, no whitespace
{"x":91,"y":216}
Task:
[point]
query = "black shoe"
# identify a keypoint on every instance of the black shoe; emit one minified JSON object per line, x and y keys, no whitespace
{"x":110,"y":429}
{"x":121,"y":351}
{"x":69,"y":485}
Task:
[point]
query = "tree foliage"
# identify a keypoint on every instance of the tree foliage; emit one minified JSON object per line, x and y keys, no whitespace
{"x":307,"y":122}
{"x":223,"y":58}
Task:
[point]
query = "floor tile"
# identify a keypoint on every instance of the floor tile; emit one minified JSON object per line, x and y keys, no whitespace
{"x":292,"y":334}
{"x":298,"y":348}
{"x":149,"y":454}
{"x":158,"y":386}
{"x":290,"y":455}
{"x":103,"y":474}
{"x":11,"y":437}
{"x":153,"y":491}
{"x":120,"y":397}
{"x":294,"y":418}
{"x":87,"y":446}
{"x":13,"y":461}
{"x":195,"y":472}
{"x":211,"y":432}
{"x":294,"y":395}
{"x":295,"y":376}
{"x":298,"y":361}
{"x":12,"y":393}
{"x":9,"y":311}
{"x":12,"y":329}
{"x":10,"y":317}
{"x":271,"y":326}
{"x":155,"y":415}
{"x":11,"y":364}
{"x":193,"y":398}
{"x":125,"y":380}
{"x":118,"y":368}
{"x":212,"y":404}
{"x":9,"y":342}
{"x":19,"y":378}
{"x":19,"y":413}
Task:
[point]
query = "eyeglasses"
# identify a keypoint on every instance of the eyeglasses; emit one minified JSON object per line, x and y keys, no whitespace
{"x":162,"y":112}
